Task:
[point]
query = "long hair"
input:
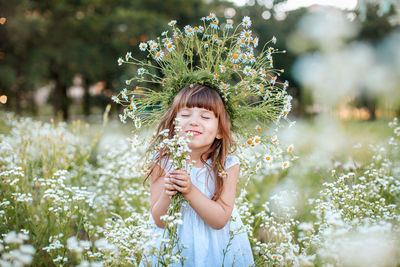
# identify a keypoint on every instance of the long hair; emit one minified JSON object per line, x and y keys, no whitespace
{"x":205,"y":97}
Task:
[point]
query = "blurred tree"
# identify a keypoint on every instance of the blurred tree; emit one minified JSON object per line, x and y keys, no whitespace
{"x":374,"y":27}
{"x":54,"y":40}
{"x":21,"y":60}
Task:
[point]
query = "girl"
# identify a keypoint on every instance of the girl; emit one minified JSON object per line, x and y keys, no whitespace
{"x":212,"y":231}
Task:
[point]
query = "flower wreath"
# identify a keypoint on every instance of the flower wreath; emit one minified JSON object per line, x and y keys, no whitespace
{"x":219,"y":56}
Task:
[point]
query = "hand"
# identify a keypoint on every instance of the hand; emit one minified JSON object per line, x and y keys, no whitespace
{"x":181,"y":181}
{"x":169,"y":186}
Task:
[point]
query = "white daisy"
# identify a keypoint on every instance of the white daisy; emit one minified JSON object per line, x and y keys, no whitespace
{"x":246,"y":70}
{"x":267,"y":158}
{"x":285,"y":85}
{"x":153,"y":45}
{"x":235,"y":57}
{"x":124,"y":94}
{"x":222,"y":68}
{"x":255,"y":41}
{"x":128,"y":56}
{"x":250,"y":57}
{"x":273,"y":80}
{"x":262,"y":72}
{"x":120,"y":61}
{"x":211,"y":16}
{"x":214,"y":24}
{"x":122,"y":118}
{"x":229,"y":24}
{"x":246,"y":35}
{"x":159,"y":55}
{"x":166,"y":41}
{"x":115,"y":99}
{"x":224,"y":86}
{"x":170,"y":47}
{"x":141,"y":71}
{"x":246,"y":22}
{"x":189,"y":30}
{"x":143,"y":46}
{"x":285,"y":164}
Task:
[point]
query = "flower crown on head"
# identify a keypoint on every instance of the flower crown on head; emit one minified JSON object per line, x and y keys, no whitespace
{"x":219,"y":56}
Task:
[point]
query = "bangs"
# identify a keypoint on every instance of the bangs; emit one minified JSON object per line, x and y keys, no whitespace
{"x":201,"y":97}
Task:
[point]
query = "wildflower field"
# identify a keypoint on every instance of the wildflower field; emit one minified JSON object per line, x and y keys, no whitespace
{"x":313,"y":193}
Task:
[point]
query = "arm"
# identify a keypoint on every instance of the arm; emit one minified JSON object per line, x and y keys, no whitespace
{"x":159,"y":195}
{"x":216,"y":214}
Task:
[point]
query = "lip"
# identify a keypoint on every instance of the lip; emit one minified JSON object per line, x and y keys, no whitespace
{"x":195,"y":133}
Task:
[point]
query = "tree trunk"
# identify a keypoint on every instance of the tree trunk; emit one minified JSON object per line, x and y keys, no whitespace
{"x":32,"y":104}
{"x":86,"y":98}
{"x":18,"y":99}
{"x":371,"y":106}
{"x":17,"y":89}
{"x":60,"y":97}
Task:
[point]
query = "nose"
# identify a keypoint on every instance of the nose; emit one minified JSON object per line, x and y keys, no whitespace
{"x":194,"y":121}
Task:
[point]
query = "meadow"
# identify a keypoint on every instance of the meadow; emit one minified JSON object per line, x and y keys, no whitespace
{"x":73,"y":194}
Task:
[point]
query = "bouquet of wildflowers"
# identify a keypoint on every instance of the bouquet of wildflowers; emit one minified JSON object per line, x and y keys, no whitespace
{"x":179,"y":158}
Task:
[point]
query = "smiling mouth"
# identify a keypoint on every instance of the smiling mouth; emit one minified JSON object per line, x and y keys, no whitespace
{"x":195,"y":133}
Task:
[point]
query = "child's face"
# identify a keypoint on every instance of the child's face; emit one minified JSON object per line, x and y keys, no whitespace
{"x":202,"y":123}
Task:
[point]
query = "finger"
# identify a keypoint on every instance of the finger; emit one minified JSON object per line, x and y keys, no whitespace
{"x":181,"y":189}
{"x":167,"y":181}
{"x":179,"y":182}
{"x":178,"y":172}
{"x":169,"y":187}
{"x":180,"y":177}
{"x":171,"y":192}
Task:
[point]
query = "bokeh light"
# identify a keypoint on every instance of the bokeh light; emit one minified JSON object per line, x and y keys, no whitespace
{"x":3,"y":99}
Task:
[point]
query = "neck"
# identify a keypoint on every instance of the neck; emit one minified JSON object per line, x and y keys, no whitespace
{"x":196,"y":156}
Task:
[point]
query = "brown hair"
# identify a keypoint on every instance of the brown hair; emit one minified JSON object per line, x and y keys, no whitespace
{"x":200,"y":96}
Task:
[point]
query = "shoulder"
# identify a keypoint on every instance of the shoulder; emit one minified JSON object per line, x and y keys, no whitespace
{"x":231,"y":161}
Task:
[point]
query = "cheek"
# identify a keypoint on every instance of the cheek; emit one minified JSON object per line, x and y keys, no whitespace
{"x":182,"y":121}
{"x":215,"y":127}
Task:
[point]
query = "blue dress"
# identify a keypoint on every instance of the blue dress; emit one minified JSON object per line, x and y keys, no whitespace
{"x":205,"y":245}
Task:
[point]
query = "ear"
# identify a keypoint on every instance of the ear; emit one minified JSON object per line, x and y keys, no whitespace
{"x":218,"y":136}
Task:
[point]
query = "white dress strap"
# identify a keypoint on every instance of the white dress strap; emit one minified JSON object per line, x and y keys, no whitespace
{"x":230,"y":161}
